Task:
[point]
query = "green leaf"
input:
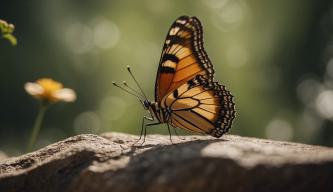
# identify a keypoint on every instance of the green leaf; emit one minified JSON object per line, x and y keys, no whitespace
{"x":11,"y":38}
{"x":6,"y":30}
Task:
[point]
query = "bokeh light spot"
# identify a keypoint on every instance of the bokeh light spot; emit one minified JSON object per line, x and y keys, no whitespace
{"x":106,"y":34}
{"x":215,"y":4}
{"x":79,"y":38}
{"x":87,"y":122}
{"x":112,"y":108}
{"x":279,"y":129}
{"x":230,"y":15}
{"x":329,"y":68}
{"x":324,"y":104}
{"x":307,"y":90}
{"x":237,"y":56}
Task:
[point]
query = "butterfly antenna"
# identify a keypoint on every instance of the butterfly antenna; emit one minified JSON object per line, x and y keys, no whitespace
{"x":127,"y":91}
{"x":132,"y":89}
{"x":130,"y":72}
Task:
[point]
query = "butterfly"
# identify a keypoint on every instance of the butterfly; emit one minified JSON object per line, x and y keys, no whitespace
{"x":186,"y":95}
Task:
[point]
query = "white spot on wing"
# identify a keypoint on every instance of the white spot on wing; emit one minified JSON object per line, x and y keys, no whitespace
{"x":174,"y":31}
{"x":169,"y":63}
{"x":181,"y":21}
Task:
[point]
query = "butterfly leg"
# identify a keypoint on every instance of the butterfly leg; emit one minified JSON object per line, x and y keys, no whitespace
{"x":169,"y":132}
{"x":175,"y":130}
{"x":144,"y":128}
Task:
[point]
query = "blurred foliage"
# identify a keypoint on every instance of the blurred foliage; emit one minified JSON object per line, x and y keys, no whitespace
{"x":274,"y":56}
{"x":6,"y":31}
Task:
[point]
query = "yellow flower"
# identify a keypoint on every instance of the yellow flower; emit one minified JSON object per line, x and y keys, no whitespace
{"x":51,"y":91}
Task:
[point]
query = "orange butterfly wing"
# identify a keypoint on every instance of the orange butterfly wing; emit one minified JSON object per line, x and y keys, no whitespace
{"x":183,"y":56}
{"x":201,"y":105}
{"x":184,"y":83}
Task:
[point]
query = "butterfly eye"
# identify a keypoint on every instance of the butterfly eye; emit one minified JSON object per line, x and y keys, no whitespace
{"x":146,"y":104}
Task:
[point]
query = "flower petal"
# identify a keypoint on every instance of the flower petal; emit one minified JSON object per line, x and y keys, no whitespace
{"x":66,"y":94}
{"x":33,"y":89}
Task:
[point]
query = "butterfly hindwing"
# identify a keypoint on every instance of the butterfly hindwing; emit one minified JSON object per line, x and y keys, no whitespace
{"x":201,"y":105}
{"x":183,"y":56}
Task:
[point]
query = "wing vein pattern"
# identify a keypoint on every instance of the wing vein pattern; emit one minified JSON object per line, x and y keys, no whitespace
{"x":185,"y":86}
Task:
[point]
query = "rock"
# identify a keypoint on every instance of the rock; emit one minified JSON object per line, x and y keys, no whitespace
{"x":3,"y":155}
{"x":197,"y":163}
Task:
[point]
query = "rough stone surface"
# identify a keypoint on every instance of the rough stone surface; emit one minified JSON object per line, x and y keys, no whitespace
{"x":3,"y":155}
{"x":196,"y":163}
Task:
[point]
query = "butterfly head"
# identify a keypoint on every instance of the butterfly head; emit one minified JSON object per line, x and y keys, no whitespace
{"x":146,"y":104}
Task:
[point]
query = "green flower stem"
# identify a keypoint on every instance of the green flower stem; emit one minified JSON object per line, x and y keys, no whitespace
{"x":37,"y":126}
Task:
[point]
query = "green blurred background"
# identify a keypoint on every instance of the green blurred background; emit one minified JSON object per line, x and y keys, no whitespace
{"x":274,"y":56}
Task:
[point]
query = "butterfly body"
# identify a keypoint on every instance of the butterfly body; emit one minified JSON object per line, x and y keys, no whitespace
{"x":186,"y":94}
{"x":160,"y":113}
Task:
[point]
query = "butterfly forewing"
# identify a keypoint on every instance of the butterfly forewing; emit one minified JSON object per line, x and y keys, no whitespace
{"x":183,"y":56}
